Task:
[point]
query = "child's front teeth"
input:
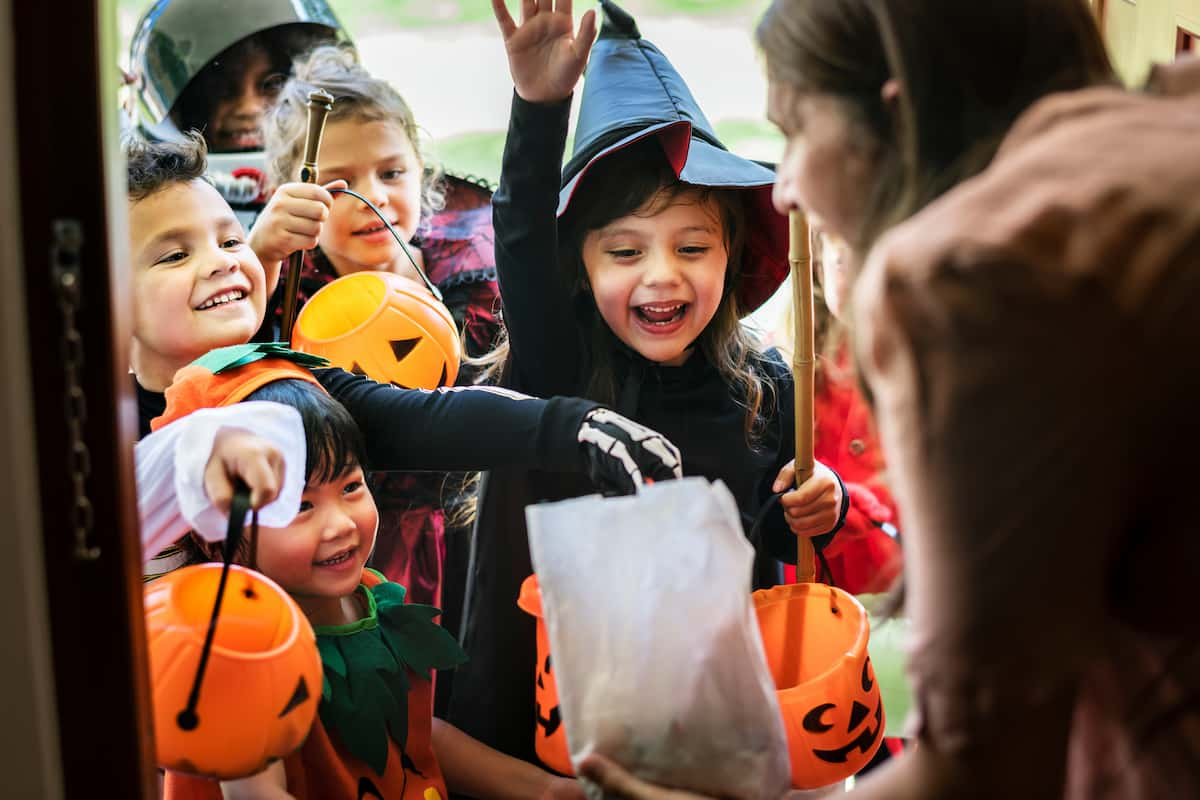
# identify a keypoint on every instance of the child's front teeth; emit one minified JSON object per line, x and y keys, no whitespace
{"x":227,"y":297}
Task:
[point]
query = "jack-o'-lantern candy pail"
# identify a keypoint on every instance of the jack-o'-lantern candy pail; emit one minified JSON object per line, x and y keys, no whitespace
{"x":550,"y":735}
{"x":260,"y":687}
{"x":815,"y":637}
{"x":383,"y":326}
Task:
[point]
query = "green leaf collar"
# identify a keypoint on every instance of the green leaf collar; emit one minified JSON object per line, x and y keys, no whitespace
{"x":364,"y":699}
{"x":223,"y":359}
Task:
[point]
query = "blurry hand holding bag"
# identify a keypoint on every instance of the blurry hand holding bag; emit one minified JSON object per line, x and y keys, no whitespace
{"x":657,"y":654}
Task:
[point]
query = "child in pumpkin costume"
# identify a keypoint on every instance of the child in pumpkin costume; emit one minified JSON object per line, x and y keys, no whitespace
{"x":372,"y":141}
{"x":375,"y":736}
{"x":198,"y":286}
{"x":624,"y":277}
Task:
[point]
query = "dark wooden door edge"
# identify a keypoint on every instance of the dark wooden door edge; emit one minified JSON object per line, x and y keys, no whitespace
{"x":95,"y":606}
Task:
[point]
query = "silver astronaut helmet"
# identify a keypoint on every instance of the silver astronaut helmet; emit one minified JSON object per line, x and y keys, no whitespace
{"x":189,"y":56}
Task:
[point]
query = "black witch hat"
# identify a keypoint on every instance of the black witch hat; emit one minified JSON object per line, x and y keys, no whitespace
{"x":631,"y":92}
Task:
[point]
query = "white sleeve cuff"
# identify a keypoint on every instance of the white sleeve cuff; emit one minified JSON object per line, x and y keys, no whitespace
{"x":158,"y":509}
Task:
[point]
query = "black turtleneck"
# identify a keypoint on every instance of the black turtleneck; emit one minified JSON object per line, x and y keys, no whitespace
{"x":150,"y":405}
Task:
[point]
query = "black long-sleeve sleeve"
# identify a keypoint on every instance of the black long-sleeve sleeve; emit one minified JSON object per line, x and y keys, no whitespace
{"x":468,"y":428}
{"x":538,"y":309}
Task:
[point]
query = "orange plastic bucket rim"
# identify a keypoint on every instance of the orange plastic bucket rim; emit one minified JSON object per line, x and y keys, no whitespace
{"x":328,"y":294}
{"x":173,"y":583}
{"x":388,"y":282}
{"x":786,"y":593}
{"x":350,"y":320}
{"x":530,"y":598}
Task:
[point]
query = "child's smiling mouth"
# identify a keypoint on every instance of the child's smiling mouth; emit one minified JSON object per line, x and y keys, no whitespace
{"x":374,"y":231}
{"x":661,"y":316}
{"x":337,"y":560}
{"x":222,"y":298}
{"x":241,"y":138}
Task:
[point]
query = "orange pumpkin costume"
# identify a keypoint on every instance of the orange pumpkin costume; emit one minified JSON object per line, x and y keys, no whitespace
{"x":229,"y":375}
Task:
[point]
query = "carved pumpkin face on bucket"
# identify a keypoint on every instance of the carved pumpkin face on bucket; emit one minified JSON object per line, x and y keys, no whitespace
{"x":815,"y":638}
{"x":383,"y":326}
{"x":262,"y":682}
{"x":550,"y":735}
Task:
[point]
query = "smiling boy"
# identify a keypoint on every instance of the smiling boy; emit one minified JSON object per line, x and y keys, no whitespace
{"x":197,"y":284}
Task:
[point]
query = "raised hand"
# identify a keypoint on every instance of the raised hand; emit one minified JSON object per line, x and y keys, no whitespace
{"x":545,"y":56}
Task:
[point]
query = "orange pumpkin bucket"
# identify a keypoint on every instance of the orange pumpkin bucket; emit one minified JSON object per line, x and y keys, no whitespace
{"x":550,"y":736}
{"x":815,"y":637}
{"x":383,"y":326}
{"x":262,"y":681}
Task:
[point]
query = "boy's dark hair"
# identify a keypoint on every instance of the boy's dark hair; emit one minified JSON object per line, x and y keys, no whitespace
{"x":334,"y":444}
{"x":152,"y":166}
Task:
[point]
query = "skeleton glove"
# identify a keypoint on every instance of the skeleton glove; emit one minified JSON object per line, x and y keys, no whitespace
{"x":621,"y":454}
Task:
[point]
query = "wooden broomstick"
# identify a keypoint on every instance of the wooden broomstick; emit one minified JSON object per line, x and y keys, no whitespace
{"x":800,"y":258}
{"x":320,"y":103}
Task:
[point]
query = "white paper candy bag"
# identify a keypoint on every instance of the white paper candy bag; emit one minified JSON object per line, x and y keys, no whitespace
{"x":656,"y":650}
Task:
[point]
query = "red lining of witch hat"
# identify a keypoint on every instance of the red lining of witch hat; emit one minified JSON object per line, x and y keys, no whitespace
{"x":675,"y":138}
{"x":676,"y":143}
{"x":766,"y":264}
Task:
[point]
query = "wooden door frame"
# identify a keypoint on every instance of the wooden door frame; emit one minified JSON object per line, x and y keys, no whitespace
{"x":66,"y":133}
{"x":1185,"y":40}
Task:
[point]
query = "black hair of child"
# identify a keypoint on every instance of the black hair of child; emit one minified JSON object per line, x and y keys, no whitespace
{"x":629,"y":179}
{"x":334,"y":443}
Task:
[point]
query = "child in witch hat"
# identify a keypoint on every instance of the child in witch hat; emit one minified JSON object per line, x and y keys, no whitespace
{"x":624,"y":279}
{"x":374,"y":736}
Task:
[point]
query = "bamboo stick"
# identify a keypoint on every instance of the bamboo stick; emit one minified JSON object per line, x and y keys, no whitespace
{"x":800,"y":258}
